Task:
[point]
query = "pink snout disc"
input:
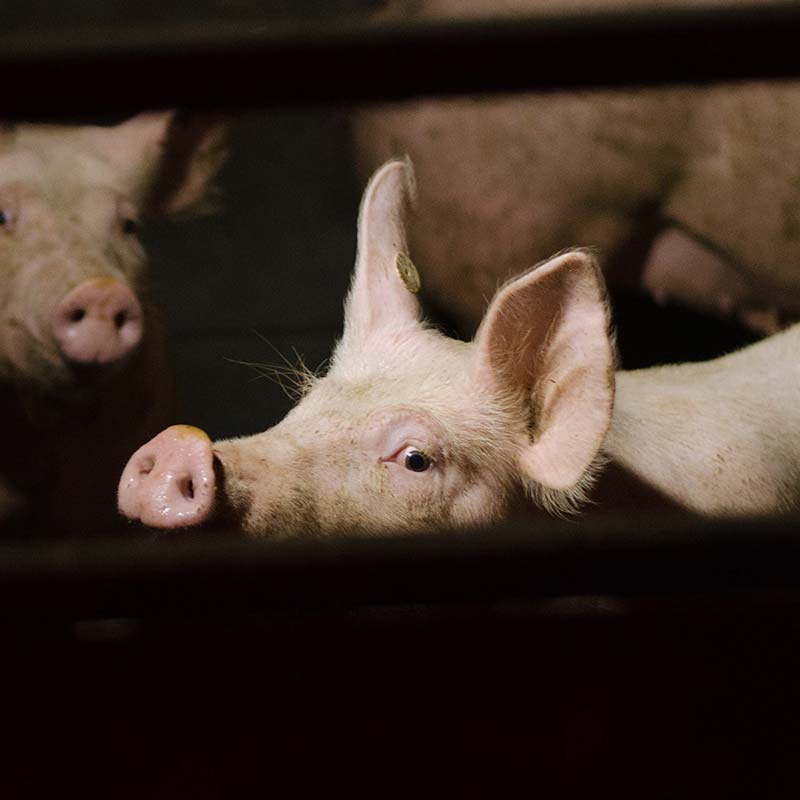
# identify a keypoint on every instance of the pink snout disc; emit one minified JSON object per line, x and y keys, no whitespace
{"x":98,"y":322}
{"x":169,"y":482}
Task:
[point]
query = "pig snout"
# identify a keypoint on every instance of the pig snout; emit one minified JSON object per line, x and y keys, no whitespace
{"x":169,"y":482}
{"x":100,"y":321}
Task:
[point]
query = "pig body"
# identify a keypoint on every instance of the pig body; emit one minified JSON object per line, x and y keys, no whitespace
{"x":508,"y":180}
{"x":720,"y":438}
{"x":410,"y":429}
{"x":84,"y":366}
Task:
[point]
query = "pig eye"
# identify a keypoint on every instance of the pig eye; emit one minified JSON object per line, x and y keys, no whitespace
{"x":130,"y":226}
{"x":7,"y":219}
{"x":415,"y":460}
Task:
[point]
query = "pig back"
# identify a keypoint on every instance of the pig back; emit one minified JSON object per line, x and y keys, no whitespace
{"x":506,"y":181}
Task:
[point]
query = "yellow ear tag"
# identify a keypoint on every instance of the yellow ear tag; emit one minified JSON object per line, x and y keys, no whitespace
{"x":408,"y":272}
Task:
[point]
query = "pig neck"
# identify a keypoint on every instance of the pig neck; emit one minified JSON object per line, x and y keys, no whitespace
{"x":720,"y":437}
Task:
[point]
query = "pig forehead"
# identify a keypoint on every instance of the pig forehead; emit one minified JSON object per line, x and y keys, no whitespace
{"x":21,"y":167}
{"x":344,"y":408}
{"x":34,"y":199}
{"x":413,"y":359}
{"x":58,"y":173}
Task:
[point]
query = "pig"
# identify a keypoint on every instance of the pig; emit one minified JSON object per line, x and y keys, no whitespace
{"x":410,"y":429}
{"x":690,"y":194}
{"x":85,"y":373}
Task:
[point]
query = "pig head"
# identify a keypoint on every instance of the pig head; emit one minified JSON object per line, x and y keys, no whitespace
{"x":409,"y":429}
{"x":84,"y":372}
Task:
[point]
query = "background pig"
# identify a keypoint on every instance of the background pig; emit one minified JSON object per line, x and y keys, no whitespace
{"x":412,"y":429}
{"x":84,"y":373}
{"x":691,"y":192}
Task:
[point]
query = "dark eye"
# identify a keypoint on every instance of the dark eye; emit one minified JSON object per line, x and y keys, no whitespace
{"x":130,"y":225}
{"x":416,"y":460}
{"x":3,"y":218}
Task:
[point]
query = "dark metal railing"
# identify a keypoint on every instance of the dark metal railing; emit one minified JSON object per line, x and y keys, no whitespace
{"x":271,"y":60}
{"x":202,"y":575}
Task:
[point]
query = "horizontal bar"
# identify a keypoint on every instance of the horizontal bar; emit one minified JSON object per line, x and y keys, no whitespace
{"x":256,"y":63}
{"x":192,"y":575}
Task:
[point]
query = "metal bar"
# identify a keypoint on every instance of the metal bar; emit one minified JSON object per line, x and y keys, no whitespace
{"x":257,"y":63}
{"x":225,"y":574}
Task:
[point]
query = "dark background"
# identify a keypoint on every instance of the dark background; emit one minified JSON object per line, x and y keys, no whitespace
{"x":265,"y":276}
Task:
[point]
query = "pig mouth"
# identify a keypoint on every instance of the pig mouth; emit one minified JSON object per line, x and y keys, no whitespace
{"x":53,"y":386}
{"x":225,"y":514}
{"x":57,"y":378}
{"x":90,"y":377}
{"x":33,"y":361}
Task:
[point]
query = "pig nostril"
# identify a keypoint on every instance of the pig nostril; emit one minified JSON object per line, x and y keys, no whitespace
{"x":146,"y":466}
{"x":77,"y":315}
{"x":120,"y":318}
{"x":187,"y":488}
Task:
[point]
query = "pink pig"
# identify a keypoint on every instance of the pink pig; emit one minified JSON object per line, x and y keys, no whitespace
{"x":84,"y":372}
{"x":410,"y":429}
{"x":689,"y":192}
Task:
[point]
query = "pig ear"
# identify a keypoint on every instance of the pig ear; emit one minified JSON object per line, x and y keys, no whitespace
{"x":385,"y":282}
{"x":167,"y":160}
{"x":134,"y":147}
{"x":545,"y":345}
{"x":192,"y":154}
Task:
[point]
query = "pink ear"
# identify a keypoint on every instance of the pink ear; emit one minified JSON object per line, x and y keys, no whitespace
{"x":166,"y":159}
{"x":545,"y":343}
{"x":134,"y":147}
{"x":384,"y":282}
